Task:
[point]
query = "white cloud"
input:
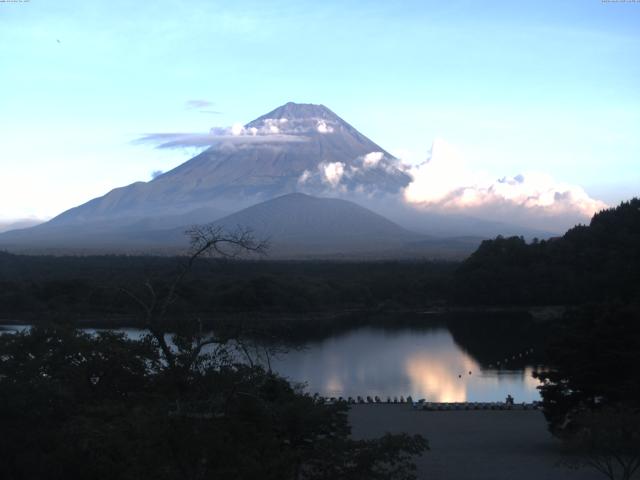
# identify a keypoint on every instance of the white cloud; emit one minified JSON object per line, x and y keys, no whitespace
{"x":333,"y":172}
{"x":237,"y":129}
{"x":372,"y":159}
{"x":235,"y":134}
{"x":445,"y":182}
{"x":269,"y":130}
{"x":304,"y":177}
{"x":322,"y":127}
{"x":408,"y":157}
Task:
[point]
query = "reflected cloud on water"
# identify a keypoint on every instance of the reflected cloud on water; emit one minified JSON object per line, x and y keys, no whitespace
{"x":387,"y":363}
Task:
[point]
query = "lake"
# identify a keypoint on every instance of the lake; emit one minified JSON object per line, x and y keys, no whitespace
{"x":481,"y":363}
{"x":424,"y":363}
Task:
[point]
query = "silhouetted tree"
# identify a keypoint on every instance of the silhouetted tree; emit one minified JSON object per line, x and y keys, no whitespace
{"x":607,"y":440}
{"x":591,"y":388}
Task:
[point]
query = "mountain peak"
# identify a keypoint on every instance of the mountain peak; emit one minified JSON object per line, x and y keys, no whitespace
{"x":298,"y":112}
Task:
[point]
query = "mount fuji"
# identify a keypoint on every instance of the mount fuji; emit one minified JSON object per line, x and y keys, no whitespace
{"x":294,"y":148}
{"x":272,"y":175}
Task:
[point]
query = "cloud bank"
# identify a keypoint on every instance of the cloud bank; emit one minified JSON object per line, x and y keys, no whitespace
{"x":445,"y":183}
{"x":269,"y":130}
{"x":235,"y":134}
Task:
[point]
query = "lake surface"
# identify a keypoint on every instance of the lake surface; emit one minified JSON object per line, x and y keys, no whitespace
{"x":422,"y":362}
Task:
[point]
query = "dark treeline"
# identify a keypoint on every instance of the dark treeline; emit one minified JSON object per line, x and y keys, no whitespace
{"x":35,"y":286}
{"x":595,"y":263}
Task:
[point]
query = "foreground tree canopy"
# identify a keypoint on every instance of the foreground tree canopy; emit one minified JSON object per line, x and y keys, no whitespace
{"x":593,"y":361}
{"x":591,"y":390}
{"x":74,"y":405}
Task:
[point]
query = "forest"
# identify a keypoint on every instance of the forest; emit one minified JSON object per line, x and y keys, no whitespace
{"x":589,"y":263}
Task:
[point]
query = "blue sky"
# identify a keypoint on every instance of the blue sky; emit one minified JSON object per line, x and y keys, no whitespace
{"x":550,"y":86}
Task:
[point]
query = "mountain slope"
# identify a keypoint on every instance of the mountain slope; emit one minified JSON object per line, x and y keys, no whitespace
{"x":297,"y":223}
{"x":296,"y":147}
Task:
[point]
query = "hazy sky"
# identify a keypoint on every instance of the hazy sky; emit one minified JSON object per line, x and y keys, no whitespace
{"x":545,"y":86}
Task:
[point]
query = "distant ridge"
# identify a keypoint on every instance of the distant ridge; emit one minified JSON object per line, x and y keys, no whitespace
{"x":19,"y":224}
{"x":297,"y":223}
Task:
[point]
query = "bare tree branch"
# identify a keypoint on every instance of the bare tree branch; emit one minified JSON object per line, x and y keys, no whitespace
{"x":204,"y":240}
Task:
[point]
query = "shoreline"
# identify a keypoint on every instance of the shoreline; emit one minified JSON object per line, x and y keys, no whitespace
{"x":426,"y":314}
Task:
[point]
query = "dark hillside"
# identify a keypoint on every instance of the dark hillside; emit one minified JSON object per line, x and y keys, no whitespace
{"x":598,"y":262}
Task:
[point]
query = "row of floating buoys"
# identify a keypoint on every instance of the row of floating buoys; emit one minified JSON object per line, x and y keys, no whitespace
{"x":430,"y":406}
{"x":361,"y":400}
{"x":517,"y":356}
{"x":499,"y":363}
